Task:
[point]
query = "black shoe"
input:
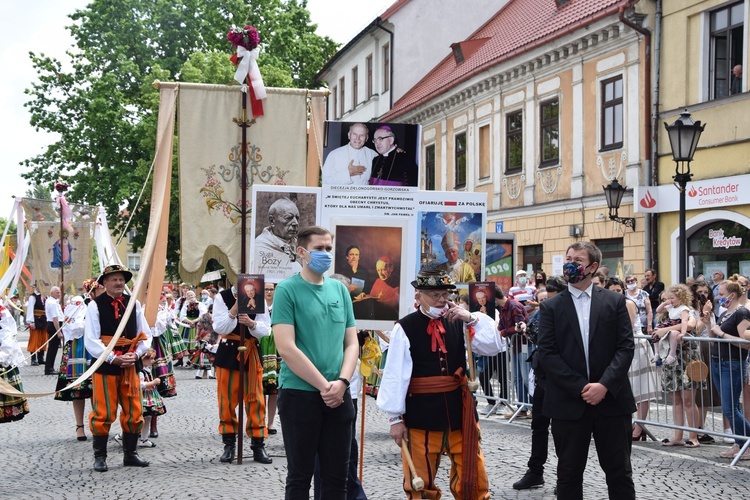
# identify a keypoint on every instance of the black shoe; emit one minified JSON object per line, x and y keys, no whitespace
{"x":154,"y":434}
{"x":34,"y":362}
{"x":271,"y":432}
{"x":528,"y":481}
{"x":229,"y":442}
{"x":706,"y":439}
{"x":52,"y":373}
{"x":259,"y":451}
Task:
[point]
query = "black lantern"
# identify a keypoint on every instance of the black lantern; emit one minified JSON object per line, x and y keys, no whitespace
{"x":613,"y":193}
{"x":684,"y":134}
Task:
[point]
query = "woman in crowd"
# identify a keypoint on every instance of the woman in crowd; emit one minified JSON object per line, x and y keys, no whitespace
{"x":190,"y":313}
{"x":12,"y":408}
{"x":641,"y":373}
{"x":162,"y":359}
{"x":174,"y":341}
{"x":75,"y":359}
{"x":728,"y":361}
{"x":674,"y":379}
{"x":640,"y":297}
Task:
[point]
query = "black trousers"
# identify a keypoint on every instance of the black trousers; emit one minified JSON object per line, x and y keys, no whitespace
{"x":539,"y":431}
{"x":354,"y":489}
{"x":52,"y":348}
{"x":612,"y":436}
{"x":310,"y":427}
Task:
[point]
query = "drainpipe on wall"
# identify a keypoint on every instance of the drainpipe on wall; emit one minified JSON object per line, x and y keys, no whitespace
{"x":649,"y":129}
{"x":390,"y":68}
{"x":653,"y":180}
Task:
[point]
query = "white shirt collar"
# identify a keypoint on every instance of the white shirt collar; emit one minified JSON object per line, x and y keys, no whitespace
{"x":577,"y":292}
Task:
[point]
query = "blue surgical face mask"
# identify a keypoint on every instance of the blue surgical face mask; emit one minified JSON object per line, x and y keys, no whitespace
{"x":320,"y":261}
{"x":575,"y":273}
{"x":522,"y":280}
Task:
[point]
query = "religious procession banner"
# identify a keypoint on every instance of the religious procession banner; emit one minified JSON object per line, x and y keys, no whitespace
{"x":57,"y":252}
{"x":385,"y":234}
{"x":210,"y":145}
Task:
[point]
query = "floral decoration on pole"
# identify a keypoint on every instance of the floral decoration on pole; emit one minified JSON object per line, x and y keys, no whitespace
{"x":66,"y":215}
{"x":246,"y":41}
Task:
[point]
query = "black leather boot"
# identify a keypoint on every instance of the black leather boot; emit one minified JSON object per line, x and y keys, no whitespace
{"x":130,"y":455}
{"x":100,"y":453}
{"x":229,"y":440}
{"x":259,"y":451}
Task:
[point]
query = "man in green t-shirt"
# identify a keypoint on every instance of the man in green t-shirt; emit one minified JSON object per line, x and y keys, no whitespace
{"x":316,"y":336}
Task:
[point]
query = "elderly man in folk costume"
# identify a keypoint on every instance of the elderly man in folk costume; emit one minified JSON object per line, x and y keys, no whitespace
{"x":227,"y":323}
{"x":425,"y":389}
{"x":116,"y":380}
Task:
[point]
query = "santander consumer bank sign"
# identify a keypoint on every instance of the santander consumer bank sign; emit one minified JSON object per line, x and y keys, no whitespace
{"x":709,"y":193}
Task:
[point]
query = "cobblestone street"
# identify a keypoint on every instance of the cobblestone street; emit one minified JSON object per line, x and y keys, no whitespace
{"x":42,"y":458}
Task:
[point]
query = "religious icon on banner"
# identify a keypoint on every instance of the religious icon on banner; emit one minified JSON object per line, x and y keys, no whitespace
{"x":249,"y":294}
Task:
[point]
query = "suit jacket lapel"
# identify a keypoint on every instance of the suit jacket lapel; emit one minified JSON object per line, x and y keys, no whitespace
{"x":570,"y":313}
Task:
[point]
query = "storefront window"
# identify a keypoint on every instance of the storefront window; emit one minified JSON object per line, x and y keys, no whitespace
{"x":720,"y":245}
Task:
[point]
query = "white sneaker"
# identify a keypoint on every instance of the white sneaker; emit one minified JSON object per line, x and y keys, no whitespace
{"x":146,"y":443}
{"x":728,"y":440}
{"x":487,"y":409}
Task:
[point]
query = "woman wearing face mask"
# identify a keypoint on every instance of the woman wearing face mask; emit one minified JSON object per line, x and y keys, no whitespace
{"x":728,"y":360}
{"x":640,"y":297}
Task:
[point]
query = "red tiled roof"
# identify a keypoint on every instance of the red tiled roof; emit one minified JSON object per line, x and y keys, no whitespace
{"x":518,"y":27}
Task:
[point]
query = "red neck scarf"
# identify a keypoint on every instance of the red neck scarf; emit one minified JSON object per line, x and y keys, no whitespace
{"x":117,"y":304}
{"x":436,"y":330}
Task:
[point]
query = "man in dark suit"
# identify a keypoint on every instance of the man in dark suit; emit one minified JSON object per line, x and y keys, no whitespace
{"x":585,"y":347}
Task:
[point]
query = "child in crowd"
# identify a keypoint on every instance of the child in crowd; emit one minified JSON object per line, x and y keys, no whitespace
{"x":205,"y":341}
{"x":678,"y":308}
{"x":153,"y":404}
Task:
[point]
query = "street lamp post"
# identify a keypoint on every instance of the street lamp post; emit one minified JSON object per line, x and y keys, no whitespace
{"x":684,"y":134}
{"x":613,"y":194}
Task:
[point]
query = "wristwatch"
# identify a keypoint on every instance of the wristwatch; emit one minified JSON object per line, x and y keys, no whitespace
{"x":345,"y":381}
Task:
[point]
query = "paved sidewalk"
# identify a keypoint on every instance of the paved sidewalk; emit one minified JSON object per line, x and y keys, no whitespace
{"x":43,"y":459}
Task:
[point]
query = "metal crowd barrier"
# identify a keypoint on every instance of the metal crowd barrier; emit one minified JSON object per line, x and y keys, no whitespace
{"x":690,"y":384}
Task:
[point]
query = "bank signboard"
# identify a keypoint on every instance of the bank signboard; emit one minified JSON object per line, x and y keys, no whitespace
{"x":709,"y":193}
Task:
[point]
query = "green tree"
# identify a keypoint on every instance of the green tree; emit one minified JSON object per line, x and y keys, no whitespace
{"x":4,"y":222}
{"x":39,"y":192}
{"x":104,"y":110}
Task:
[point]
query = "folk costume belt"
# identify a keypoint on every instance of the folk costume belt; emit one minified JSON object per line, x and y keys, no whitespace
{"x":470,"y":445}
{"x":129,"y":371}
{"x":248,"y":357}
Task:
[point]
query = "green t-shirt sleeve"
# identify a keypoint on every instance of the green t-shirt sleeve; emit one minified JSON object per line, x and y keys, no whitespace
{"x":283,"y":306}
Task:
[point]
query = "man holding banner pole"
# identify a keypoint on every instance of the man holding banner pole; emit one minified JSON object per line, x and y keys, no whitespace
{"x":116,"y":381}
{"x":227,"y":323}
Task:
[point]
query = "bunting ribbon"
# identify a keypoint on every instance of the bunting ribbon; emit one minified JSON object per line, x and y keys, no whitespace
{"x":247,"y":68}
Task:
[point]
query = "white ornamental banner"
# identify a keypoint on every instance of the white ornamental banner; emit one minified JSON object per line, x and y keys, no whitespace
{"x":210,"y":167}
{"x":56,"y":251}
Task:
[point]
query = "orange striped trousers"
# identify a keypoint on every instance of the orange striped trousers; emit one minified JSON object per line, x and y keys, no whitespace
{"x":227,"y":384}
{"x":108,"y":392}
{"x":425,"y":448}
